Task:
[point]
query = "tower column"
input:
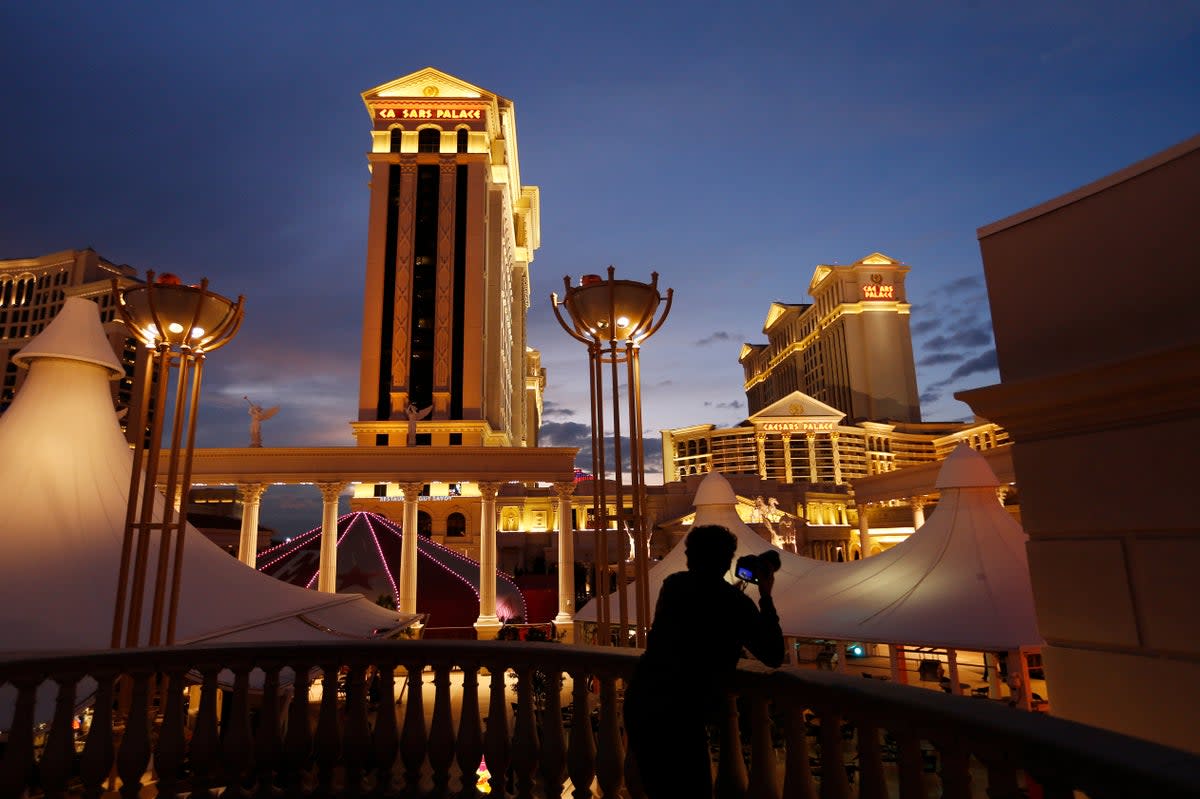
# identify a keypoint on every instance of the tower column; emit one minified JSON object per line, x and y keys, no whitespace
{"x":918,"y":509}
{"x":760,"y":446}
{"x":864,"y":531}
{"x":327,"y":576}
{"x":787,"y":457}
{"x":564,"y":621}
{"x":443,"y":330}
{"x":837,"y":461}
{"x":406,"y":199}
{"x":408,"y":549}
{"x":488,"y":624}
{"x":251,"y":495}
{"x":812,"y":456}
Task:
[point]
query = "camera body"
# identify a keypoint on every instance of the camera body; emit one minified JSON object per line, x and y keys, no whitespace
{"x":750,"y":568}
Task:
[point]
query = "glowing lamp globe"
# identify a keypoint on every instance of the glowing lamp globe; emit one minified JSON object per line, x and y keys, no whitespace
{"x":166,"y":312}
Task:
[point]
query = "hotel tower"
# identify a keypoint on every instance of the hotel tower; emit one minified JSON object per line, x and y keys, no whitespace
{"x":451,"y":234}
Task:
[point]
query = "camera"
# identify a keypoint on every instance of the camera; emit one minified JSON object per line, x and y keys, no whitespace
{"x":751,"y":567}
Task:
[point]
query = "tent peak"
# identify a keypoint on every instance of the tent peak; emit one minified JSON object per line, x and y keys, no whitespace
{"x":74,"y":334}
{"x":966,"y":468}
{"x":714,"y":490}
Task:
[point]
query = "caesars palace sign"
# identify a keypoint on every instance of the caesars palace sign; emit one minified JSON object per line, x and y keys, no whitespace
{"x":795,"y":427}
{"x":429,"y":113}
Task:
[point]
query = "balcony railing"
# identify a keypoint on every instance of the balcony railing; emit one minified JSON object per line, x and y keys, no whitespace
{"x":199,"y":720}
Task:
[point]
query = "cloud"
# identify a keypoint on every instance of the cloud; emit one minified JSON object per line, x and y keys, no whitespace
{"x":961,"y":339}
{"x":930,"y":396}
{"x":574,"y":434}
{"x":926,"y":325}
{"x":938,"y":358}
{"x":984,"y":362}
{"x":550,"y":408}
{"x":735,"y":404}
{"x":565,"y":434}
{"x":719,"y":335}
{"x":963,"y":284}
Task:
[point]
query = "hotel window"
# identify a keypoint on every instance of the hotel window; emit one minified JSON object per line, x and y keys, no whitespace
{"x":456,"y":525}
{"x":429,"y":140}
{"x":462,"y":140}
{"x":381,"y":489}
{"x":397,"y":138}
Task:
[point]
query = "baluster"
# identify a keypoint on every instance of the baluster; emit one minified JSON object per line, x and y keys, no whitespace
{"x":581,"y":745}
{"x":168,"y":756}
{"x":356,"y":741}
{"x":909,"y":761}
{"x":525,"y":742}
{"x":134,"y":754}
{"x":1001,"y":776}
{"x":386,"y":741}
{"x":763,"y":765}
{"x":268,"y":745}
{"x":327,"y":741}
{"x":202,"y":756}
{"x":834,"y":784}
{"x":237,"y":756}
{"x":441,"y":731}
{"x":99,"y":749}
{"x":609,"y":754}
{"x":554,"y":749}
{"x":469,"y":746}
{"x":495,"y":741}
{"x":18,"y":755}
{"x":413,"y":740}
{"x":55,"y":767}
{"x":956,"y":776}
{"x":297,"y":743}
{"x":871,"y":782}
{"x":731,"y":766}
{"x":797,"y":776}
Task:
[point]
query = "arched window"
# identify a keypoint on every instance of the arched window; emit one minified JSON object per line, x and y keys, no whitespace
{"x":462,"y":140}
{"x":456,"y":525}
{"x":424,"y":524}
{"x":397,"y":138}
{"x":429,"y":140}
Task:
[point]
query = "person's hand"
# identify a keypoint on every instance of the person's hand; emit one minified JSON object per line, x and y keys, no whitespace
{"x":766,"y":582}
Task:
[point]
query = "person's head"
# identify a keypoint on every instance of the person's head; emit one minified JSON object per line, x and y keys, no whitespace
{"x":710,"y":549}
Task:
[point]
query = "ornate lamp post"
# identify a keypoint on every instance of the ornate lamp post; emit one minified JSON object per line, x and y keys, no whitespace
{"x":613,"y":318}
{"x":180,"y":325}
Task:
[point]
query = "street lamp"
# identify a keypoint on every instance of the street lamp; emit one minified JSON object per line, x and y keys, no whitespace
{"x":613,"y":318}
{"x":180,"y":325}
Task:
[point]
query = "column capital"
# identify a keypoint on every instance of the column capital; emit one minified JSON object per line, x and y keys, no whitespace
{"x":411,"y":491}
{"x":810,"y":437}
{"x":918,"y":502}
{"x":251,"y":492}
{"x":490,"y":490}
{"x":760,"y":436}
{"x":833,"y":435}
{"x":564,"y":490}
{"x":786,"y":437}
{"x":331,"y":491}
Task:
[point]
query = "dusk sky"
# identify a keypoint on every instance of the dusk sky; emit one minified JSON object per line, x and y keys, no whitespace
{"x":729,"y":147}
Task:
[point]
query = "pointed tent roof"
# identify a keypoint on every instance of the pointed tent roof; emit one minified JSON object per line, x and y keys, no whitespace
{"x":64,"y":472}
{"x":960,"y":581}
{"x":716,"y":503}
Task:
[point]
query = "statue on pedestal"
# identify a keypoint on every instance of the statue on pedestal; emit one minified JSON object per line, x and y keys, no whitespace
{"x":414,"y":416}
{"x":258,"y":415}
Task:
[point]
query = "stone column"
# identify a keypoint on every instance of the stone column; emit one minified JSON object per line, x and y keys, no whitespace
{"x":864,"y":531}
{"x":760,"y":450}
{"x":812,"y":456}
{"x":787,"y":457}
{"x":407,"y":582}
{"x":918,"y":509}
{"x":250,"y":494}
{"x":488,"y":624}
{"x":327,"y":576}
{"x":565,"y":620}
{"x":837,"y":462}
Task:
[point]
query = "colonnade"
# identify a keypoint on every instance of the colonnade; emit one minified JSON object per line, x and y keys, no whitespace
{"x":488,"y":623}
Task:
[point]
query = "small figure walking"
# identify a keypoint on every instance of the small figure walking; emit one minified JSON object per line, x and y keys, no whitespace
{"x":257,"y":416}
{"x":414,"y":416}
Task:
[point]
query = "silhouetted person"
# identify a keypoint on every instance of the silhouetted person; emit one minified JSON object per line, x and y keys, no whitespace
{"x":701,"y":624}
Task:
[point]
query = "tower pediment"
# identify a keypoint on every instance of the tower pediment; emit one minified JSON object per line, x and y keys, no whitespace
{"x":428,"y":83}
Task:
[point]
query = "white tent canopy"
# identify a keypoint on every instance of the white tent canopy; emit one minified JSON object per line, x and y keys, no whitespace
{"x":961,"y":581}
{"x":716,"y":503}
{"x":64,"y":476}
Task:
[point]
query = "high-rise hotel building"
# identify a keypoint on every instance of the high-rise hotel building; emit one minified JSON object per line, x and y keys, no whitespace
{"x":451,"y":235}
{"x":850,"y":348}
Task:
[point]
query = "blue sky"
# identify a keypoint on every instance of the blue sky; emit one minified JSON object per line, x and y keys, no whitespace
{"x":729,"y":146}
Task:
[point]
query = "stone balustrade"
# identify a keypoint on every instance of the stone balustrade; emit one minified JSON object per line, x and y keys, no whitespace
{"x":200,"y":720}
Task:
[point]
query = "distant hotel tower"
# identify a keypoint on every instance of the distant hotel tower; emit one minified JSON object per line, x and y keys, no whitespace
{"x":451,"y":234}
{"x":850,"y":348}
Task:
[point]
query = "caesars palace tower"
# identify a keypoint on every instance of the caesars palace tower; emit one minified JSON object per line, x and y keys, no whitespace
{"x":451,"y":234}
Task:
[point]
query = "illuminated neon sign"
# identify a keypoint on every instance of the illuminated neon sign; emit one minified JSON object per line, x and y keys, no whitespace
{"x":429,"y":113}
{"x":879,"y":292}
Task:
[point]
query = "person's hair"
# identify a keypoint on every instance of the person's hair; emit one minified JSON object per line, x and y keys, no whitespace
{"x":710,"y":548}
